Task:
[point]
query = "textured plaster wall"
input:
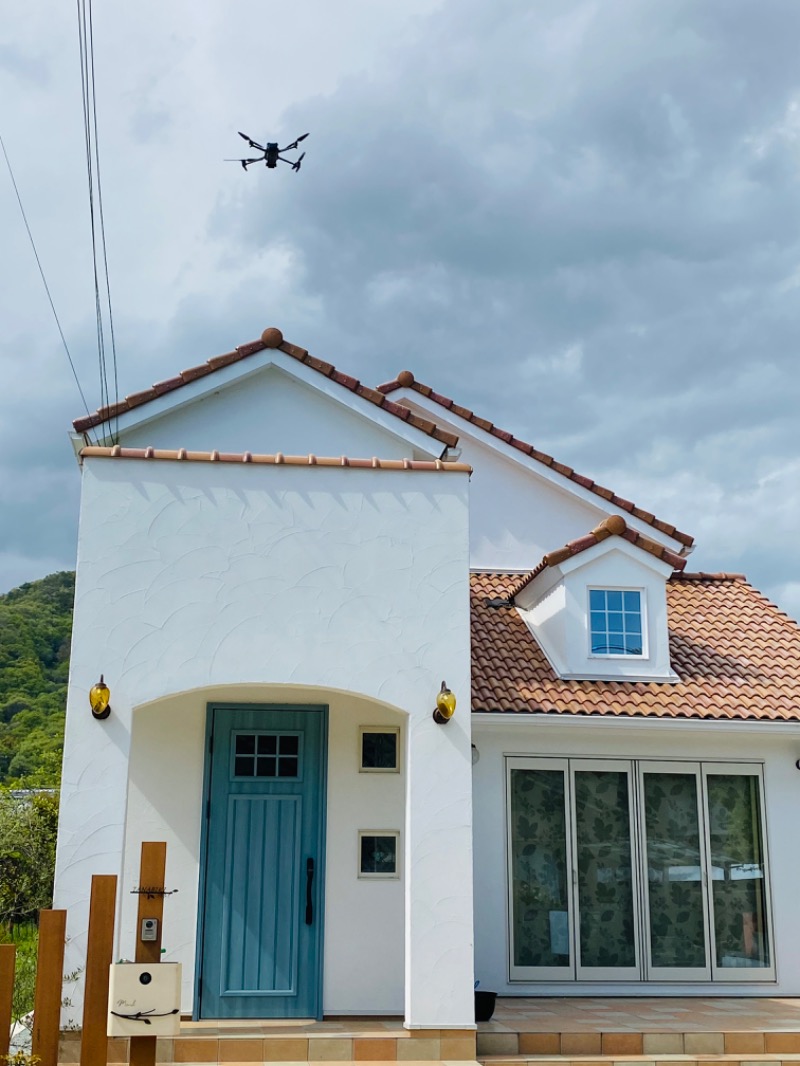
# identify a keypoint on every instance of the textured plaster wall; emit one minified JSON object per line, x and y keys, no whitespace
{"x":205,"y":576}
{"x":672,"y":740}
{"x":168,"y":744}
{"x":271,"y":412}
{"x":517,"y":514}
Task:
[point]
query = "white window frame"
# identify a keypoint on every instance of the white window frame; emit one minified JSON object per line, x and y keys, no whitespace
{"x":605,"y":656}
{"x":362,"y":769}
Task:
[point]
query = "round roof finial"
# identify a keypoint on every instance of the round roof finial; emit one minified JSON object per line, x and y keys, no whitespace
{"x":405,"y":378}
{"x":272,"y":338}
{"x":616,"y":524}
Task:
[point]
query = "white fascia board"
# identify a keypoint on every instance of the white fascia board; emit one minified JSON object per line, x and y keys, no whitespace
{"x":611,"y":544}
{"x":240,"y":371}
{"x":447,"y":420}
{"x":485,"y":721}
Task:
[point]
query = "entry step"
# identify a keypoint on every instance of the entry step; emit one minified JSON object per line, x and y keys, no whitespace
{"x":738,"y":1046}
{"x":638,"y":1060}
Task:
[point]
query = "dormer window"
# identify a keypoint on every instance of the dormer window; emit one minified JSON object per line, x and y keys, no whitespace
{"x":616,"y":622}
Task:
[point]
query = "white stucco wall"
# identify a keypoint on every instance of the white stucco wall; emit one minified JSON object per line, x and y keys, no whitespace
{"x":271,"y":411}
{"x":207,"y":576}
{"x":168,"y":745}
{"x":520,"y":509}
{"x":778,"y":749}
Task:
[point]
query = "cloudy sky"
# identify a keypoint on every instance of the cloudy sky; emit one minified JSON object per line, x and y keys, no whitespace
{"x":579,"y":217}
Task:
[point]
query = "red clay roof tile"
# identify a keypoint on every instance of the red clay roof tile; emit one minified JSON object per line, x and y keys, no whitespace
{"x":279,"y":459}
{"x":736,"y":654}
{"x":542,"y":457}
{"x":271,"y":338}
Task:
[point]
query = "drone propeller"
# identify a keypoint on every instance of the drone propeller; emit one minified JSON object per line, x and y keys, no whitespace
{"x":250,"y":141}
{"x":294,"y":144}
{"x":297,"y":162}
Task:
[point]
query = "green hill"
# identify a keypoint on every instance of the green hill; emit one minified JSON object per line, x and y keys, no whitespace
{"x":35,"y":630}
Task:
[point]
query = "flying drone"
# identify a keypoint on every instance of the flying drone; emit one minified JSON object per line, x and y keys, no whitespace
{"x":271,"y":153}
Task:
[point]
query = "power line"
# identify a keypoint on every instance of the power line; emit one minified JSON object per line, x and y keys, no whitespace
{"x":42,"y":274}
{"x":96,"y":214}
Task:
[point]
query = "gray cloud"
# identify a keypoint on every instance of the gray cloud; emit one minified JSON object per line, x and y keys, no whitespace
{"x":580,"y":219}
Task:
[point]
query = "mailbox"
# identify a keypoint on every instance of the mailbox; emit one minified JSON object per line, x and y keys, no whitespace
{"x":144,"y":999}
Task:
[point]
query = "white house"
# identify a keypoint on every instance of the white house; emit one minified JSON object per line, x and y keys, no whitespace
{"x":278,"y":568}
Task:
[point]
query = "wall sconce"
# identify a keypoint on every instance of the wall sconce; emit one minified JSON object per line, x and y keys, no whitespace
{"x":445,"y":706}
{"x":99,"y":698}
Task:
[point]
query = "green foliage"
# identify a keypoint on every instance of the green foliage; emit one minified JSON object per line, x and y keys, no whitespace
{"x":28,"y":823}
{"x":26,"y":940}
{"x":35,"y":631}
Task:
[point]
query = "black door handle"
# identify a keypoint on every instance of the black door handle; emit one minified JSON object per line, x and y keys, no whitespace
{"x":309,"y":891}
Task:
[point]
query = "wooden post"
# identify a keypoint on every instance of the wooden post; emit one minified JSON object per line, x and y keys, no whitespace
{"x":99,"y":955}
{"x":49,"y":981}
{"x":152,"y":869}
{"x":8,"y":958}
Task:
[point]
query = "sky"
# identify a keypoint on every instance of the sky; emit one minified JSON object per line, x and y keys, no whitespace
{"x":580,"y":218}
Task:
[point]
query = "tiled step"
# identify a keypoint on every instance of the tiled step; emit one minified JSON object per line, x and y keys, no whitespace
{"x":743,"y":1046}
{"x":251,"y":1045}
{"x":640,"y":1060}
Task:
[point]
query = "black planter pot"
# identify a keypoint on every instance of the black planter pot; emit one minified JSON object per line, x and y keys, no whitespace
{"x":484,"y":1005}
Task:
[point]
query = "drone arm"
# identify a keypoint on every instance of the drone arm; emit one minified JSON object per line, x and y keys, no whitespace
{"x":294,"y":144}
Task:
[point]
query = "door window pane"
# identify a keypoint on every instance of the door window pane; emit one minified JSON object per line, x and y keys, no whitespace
{"x":605,"y":876}
{"x":738,"y":876}
{"x":674,"y":871}
{"x":539,"y":868}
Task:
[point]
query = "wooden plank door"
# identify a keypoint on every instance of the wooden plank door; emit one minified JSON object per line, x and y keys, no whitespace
{"x":262,"y":911}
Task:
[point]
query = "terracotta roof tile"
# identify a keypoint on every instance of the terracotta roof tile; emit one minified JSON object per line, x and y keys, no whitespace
{"x":737,"y":656}
{"x":408,"y":381}
{"x":270,"y":338}
{"x":184,"y":455}
{"x":614,"y":525}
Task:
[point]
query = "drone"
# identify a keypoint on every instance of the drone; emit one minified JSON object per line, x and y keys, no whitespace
{"x":271,"y":153}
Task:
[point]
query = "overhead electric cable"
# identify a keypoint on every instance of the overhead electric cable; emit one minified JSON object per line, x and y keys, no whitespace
{"x":96,"y":214}
{"x":42,"y":274}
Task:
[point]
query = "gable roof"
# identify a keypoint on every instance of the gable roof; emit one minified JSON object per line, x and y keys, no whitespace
{"x":270,"y":338}
{"x":736,"y":654}
{"x":405,"y":380}
{"x":613,"y":526}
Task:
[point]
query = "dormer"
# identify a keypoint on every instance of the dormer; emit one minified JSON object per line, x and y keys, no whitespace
{"x":598,"y":606}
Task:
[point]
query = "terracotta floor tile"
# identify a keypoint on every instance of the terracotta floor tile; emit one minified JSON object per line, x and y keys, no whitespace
{"x":241,"y":1049}
{"x":621,"y":1043}
{"x":375,"y":1049}
{"x":581,"y":1044}
{"x":195,"y":1049}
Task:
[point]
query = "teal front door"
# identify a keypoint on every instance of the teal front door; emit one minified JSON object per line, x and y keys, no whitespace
{"x":260,"y":937}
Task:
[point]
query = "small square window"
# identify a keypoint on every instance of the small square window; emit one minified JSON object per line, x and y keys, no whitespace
{"x":615,"y":620}
{"x":378,"y":853}
{"x":379,"y":749}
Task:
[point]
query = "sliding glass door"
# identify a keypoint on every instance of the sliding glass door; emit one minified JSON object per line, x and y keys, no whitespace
{"x":625,"y":870}
{"x":605,"y":884}
{"x":675,"y":885}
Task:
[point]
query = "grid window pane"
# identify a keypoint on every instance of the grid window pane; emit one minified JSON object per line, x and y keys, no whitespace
{"x":261,"y":755}
{"x":615,"y":621}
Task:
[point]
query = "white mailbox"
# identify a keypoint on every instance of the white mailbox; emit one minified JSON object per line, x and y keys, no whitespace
{"x":144,"y":999}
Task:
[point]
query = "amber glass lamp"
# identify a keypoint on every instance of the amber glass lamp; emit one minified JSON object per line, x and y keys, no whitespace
{"x":99,"y":699}
{"x":445,"y":705}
